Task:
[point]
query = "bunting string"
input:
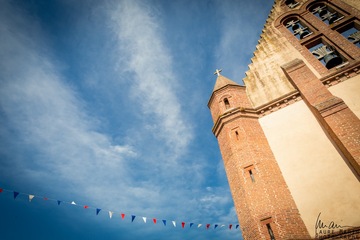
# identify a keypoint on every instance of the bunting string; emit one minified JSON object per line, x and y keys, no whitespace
{"x":31,"y":197}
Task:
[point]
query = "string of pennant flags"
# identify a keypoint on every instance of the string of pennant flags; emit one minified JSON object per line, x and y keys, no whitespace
{"x":123,"y":215}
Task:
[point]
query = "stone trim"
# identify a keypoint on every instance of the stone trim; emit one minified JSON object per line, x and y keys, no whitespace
{"x":348,"y":72}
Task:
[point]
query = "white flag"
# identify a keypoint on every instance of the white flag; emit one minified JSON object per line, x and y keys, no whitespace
{"x":73,"y":203}
{"x":110,"y":214}
{"x":144,"y":218}
{"x":199,"y":225}
{"x":31,"y":197}
{"x":174,"y":223}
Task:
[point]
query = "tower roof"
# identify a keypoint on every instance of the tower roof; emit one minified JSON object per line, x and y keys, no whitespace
{"x":222,"y":81}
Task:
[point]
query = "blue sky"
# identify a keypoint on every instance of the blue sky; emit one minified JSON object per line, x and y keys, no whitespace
{"x":105,"y":103}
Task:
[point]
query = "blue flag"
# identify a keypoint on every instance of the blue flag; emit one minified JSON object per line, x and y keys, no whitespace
{"x":164,"y":221}
{"x":191,"y":224}
{"x":97,"y":211}
{"x":132,"y":218}
{"x":15,"y":194}
{"x":58,"y":201}
{"x":216,"y":225}
{"x":237,"y":226}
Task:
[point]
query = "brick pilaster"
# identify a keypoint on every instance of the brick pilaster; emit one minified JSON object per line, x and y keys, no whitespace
{"x":339,"y":122}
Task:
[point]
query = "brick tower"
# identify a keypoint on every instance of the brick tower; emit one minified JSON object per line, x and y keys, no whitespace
{"x":290,"y":138}
{"x":263,"y":202}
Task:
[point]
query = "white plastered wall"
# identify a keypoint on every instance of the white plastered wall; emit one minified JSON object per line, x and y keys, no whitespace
{"x":349,"y":91}
{"x":317,"y":176}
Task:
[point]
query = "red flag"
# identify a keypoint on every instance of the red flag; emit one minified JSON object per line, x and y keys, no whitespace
{"x":230,"y":226}
{"x":154,"y":220}
{"x":122,"y":216}
{"x":183,"y":224}
{"x":86,"y":206}
{"x":1,"y":189}
{"x":207,"y":226}
{"x":45,"y":198}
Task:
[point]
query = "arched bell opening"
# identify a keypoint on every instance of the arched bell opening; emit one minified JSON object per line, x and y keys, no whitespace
{"x":297,"y":28}
{"x":325,"y":13}
{"x":291,"y":3}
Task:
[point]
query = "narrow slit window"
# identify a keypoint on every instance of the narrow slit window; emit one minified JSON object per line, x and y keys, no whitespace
{"x":237,"y":135}
{"x":251,"y":175}
{"x":270,"y":231}
{"x":227,"y":104}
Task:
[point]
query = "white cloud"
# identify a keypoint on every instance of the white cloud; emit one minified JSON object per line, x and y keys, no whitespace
{"x":67,"y":148}
{"x":46,"y":114}
{"x":154,"y":84}
{"x":240,"y":31}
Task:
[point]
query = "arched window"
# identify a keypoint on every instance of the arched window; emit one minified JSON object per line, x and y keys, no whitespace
{"x":226,"y":102}
{"x":326,"y":13}
{"x":298,"y":29}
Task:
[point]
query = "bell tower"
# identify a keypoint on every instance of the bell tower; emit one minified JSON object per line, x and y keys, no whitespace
{"x":264,"y":205}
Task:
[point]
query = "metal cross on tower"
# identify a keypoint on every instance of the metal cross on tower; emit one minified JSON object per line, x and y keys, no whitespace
{"x":217,"y":72}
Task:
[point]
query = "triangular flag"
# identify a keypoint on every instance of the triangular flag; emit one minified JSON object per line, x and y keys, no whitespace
{"x":1,"y":189}
{"x":237,"y":225}
{"x":73,"y":203}
{"x":164,"y":221}
{"x":45,"y":198}
{"x":58,"y":201}
{"x":86,"y":206}
{"x":199,"y":225}
{"x":110,"y":214}
{"x":207,"y":226}
{"x":97,"y":211}
{"x":31,"y":197}
{"x":183,"y":224}
{"x":222,"y":225}
{"x":132,"y":218}
{"x":144,"y":218}
{"x":216,"y":225}
{"x":230,"y":226}
{"x":191,"y":224}
{"x":154,"y":220}
{"x":15,"y":194}
{"x":122,"y":215}
{"x":174,"y":223}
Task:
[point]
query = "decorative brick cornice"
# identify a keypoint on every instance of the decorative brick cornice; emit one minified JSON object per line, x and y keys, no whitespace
{"x":347,"y":72}
{"x":231,"y":115}
{"x":238,"y":112}
{"x":278,"y":103}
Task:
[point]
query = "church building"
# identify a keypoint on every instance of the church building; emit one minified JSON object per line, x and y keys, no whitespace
{"x":290,"y":138}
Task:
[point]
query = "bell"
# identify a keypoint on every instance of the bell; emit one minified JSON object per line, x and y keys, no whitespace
{"x":295,"y":27}
{"x":332,"y":60}
{"x":323,"y":12}
{"x":333,"y":18}
{"x":303,"y":33}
